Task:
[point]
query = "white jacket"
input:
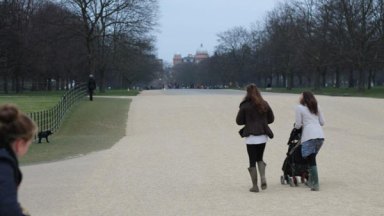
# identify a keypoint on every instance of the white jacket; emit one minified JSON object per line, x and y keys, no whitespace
{"x":310,"y":122}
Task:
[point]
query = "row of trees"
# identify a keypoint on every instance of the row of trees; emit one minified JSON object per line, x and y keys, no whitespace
{"x":45,"y":44}
{"x":302,"y":43}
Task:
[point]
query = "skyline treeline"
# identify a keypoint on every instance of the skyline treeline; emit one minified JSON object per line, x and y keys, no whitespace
{"x":306,"y":43}
{"x":48,"y":45}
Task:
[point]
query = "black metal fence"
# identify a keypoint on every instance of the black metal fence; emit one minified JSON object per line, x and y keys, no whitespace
{"x":51,"y":119}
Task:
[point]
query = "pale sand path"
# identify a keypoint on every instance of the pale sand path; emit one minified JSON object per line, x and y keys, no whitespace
{"x":183,"y":156}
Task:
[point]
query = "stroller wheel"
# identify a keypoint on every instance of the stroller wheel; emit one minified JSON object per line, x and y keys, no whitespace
{"x":282,"y":180}
{"x":302,"y":179}
{"x":291,"y":182}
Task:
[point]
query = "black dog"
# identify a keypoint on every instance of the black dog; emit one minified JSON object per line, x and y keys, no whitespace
{"x":44,"y":134}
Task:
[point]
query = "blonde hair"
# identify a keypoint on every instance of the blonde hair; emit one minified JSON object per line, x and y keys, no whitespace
{"x":14,"y":125}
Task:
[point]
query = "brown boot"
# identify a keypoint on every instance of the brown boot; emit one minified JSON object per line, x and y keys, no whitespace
{"x":253,"y":174}
{"x":261,"y":165}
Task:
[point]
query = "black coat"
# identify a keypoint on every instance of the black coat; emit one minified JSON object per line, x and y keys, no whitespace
{"x":91,"y":84}
{"x":256,"y":123}
{"x":10,"y":179}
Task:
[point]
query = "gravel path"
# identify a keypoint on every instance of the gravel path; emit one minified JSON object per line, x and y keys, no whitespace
{"x":183,"y":156}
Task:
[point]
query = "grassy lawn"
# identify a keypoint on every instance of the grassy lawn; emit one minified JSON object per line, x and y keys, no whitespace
{"x":38,"y":101}
{"x":377,"y":92}
{"x":31,"y":103}
{"x":88,"y":127}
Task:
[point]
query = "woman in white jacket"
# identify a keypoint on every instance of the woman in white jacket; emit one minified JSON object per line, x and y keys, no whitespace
{"x":310,"y":118}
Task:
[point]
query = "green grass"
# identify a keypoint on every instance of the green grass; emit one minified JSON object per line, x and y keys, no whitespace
{"x":31,"y":103}
{"x":377,"y":92}
{"x":88,"y":127}
{"x":38,"y":100}
{"x":36,"y":93}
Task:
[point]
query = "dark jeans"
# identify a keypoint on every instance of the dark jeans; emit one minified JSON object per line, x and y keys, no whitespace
{"x":90,"y":94}
{"x":311,"y":159}
{"x":255,"y":153}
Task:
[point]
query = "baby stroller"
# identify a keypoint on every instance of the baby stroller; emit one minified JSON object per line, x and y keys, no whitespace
{"x":294,"y":164}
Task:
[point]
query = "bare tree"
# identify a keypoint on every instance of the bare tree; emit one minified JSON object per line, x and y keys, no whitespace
{"x":310,"y":42}
{"x":282,"y":32}
{"x":101,"y":18}
{"x":361,"y":28}
{"x":15,"y":24}
{"x":235,"y":43}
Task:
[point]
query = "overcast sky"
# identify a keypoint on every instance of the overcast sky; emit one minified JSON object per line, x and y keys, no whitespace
{"x":185,"y":24}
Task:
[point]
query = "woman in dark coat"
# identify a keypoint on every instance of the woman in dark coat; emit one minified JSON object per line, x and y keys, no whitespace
{"x":91,"y":86}
{"x":255,"y":114}
{"x":16,"y":133}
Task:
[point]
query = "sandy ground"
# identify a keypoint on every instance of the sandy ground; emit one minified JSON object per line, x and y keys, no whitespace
{"x":183,"y":156}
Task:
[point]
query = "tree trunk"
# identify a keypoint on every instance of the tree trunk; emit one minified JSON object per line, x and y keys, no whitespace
{"x":370,"y":78}
{"x":22,"y":84}
{"x":351,"y":80}
{"x":290,"y":76}
{"x":324,"y":77}
{"x":361,"y":86}
{"x":300,"y":80}
{"x":374,"y":78}
{"x":57,"y":86}
{"x":316,"y":78}
{"x":337,"y":74}
{"x":49,"y":84}
{"x":34,"y":85}
{"x":17,"y":83}
{"x":62,"y":84}
{"x":5,"y":87}
{"x":102,"y":80}
{"x":90,"y":58}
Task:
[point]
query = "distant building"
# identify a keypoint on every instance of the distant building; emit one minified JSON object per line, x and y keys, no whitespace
{"x":189,"y":59}
{"x":177,"y":59}
{"x":200,"y":55}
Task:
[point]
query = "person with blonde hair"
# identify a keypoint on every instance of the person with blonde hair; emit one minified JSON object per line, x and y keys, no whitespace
{"x":16,"y":134}
{"x":309,"y":117}
{"x":255,"y":114}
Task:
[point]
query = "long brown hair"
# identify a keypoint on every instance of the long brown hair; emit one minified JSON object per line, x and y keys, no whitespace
{"x":310,"y":101}
{"x":14,"y":125}
{"x":253,"y":95}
